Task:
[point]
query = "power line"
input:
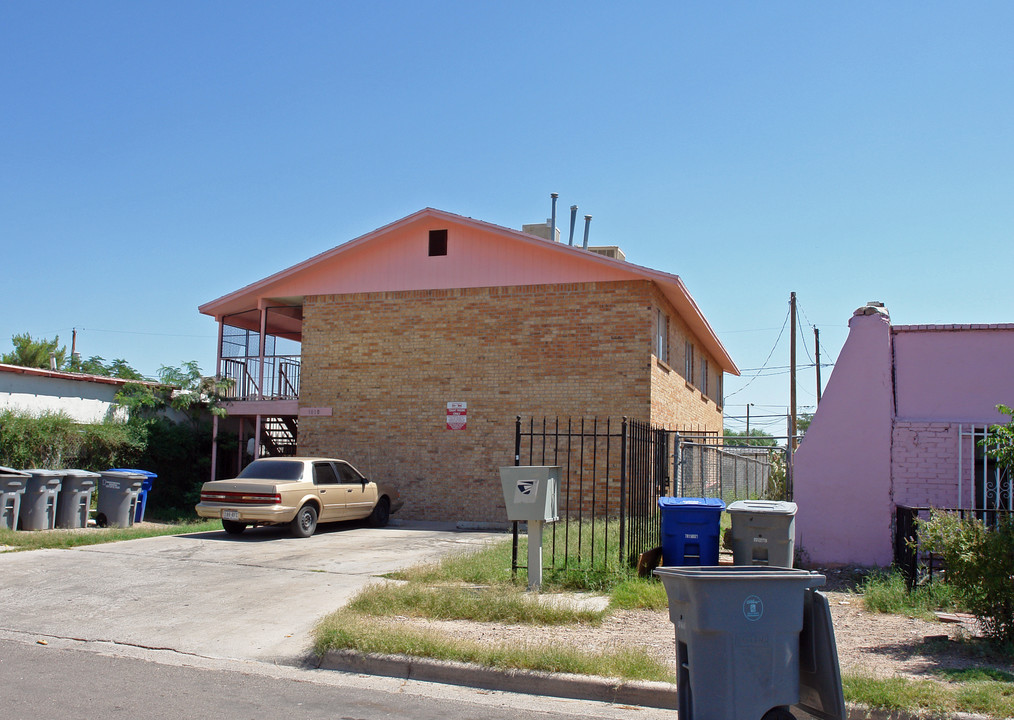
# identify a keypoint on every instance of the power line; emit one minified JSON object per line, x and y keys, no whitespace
{"x":773,"y":348}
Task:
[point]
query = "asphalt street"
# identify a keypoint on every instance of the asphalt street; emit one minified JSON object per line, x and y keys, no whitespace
{"x":69,"y":679}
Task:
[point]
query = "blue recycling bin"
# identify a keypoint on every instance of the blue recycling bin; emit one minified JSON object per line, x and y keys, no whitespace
{"x":142,"y":498}
{"x":690,"y":530}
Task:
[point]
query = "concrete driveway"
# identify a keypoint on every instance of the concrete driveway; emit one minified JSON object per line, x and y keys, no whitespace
{"x":253,"y":597}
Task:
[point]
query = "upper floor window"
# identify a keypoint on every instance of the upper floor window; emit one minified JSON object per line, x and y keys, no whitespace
{"x":662,"y":336}
{"x":704,"y":376}
{"x":688,"y":366}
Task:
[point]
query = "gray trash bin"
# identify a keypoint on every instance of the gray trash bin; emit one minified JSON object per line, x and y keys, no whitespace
{"x":118,"y":493}
{"x":763,"y":532}
{"x":738,"y":643}
{"x":75,"y":498}
{"x":12,"y":487}
{"x":38,"y":504}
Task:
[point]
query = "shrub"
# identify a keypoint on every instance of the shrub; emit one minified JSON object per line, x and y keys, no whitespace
{"x":30,"y":440}
{"x":179,"y":453}
{"x":980,"y":565}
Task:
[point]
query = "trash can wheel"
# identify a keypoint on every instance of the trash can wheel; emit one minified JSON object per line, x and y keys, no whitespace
{"x":778,"y":713}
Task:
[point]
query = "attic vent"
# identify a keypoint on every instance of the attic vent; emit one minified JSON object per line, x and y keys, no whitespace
{"x":438,"y":242}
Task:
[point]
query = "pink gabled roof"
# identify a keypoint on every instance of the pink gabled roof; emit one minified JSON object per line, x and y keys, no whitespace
{"x":479,"y":254}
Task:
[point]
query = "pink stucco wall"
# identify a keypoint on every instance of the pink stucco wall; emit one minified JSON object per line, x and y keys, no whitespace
{"x":841,"y":473}
{"x":887,"y":431}
{"x":954,"y":373}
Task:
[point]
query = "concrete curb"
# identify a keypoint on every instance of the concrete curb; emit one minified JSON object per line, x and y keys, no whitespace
{"x":579,"y":687}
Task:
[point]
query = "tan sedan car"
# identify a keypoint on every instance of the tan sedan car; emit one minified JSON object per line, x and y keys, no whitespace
{"x":298,"y":491}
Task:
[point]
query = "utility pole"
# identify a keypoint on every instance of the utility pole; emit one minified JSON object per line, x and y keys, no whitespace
{"x":816,"y":353}
{"x":748,"y":419}
{"x":792,"y":373}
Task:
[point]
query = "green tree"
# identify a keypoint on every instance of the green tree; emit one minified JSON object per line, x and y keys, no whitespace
{"x":999,"y":442}
{"x":183,"y":389}
{"x":96,"y":365}
{"x":757,"y":438}
{"x":34,"y":353}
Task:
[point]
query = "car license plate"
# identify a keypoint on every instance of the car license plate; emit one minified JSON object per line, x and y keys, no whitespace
{"x":230,"y":514}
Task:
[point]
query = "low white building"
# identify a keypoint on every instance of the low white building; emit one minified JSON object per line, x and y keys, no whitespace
{"x":85,"y":398}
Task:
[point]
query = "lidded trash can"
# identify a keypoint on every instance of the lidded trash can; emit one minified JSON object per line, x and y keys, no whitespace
{"x":12,"y":487}
{"x":142,"y":498}
{"x":38,"y":504}
{"x":75,"y":498}
{"x":118,"y":493}
{"x":690,"y":530}
{"x":738,"y":643}
{"x":763,"y":532}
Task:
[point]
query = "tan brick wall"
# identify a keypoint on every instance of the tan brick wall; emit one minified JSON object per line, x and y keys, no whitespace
{"x":677,"y":402}
{"x":388,"y":364}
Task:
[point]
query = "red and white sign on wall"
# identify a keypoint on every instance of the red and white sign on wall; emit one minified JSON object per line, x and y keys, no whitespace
{"x":457,"y":415}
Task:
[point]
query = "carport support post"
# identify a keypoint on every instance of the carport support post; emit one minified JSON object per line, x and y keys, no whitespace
{"x":535,"y":555}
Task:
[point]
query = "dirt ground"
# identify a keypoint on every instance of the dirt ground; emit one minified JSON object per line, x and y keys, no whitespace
{"x":876,"y":644}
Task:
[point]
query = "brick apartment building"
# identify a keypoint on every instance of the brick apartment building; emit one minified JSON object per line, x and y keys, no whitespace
{"x":411,"y":350}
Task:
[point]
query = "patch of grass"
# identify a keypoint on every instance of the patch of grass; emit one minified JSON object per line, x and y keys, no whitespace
{"x":639,"y":594}
{"x":888,"y":594}
{"x":977,"y":692}
{"x":976,"y":674}
{"x":346,"y":630}
{"x":42,"y":539}
{"x":895,"y":693}
{"x":495,"y":603}
{"x":489,"y":566}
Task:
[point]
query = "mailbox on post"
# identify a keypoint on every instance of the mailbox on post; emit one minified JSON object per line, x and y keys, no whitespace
{"x":531,"y":495}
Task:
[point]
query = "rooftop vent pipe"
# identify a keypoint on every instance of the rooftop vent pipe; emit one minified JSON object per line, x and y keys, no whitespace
{"x":573,"y":220}
{"x":587,"y":222}
{"x":552,"y":226}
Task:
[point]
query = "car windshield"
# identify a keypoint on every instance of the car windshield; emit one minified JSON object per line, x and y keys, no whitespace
{"x":273,"y":470}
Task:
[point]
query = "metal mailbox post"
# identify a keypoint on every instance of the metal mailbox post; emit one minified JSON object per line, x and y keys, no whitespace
{"x":531,"y":495}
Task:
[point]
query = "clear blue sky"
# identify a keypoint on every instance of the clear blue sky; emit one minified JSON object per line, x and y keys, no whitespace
{"x":154,"y":156}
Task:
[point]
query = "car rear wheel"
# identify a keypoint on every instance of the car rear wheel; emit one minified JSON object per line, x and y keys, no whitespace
{"x":232,"y":527}
{"x":305,"y":522}
{"x":381,"y":513}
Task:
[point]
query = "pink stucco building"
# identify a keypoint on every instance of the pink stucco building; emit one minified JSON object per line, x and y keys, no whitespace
{"x":899,"y":424}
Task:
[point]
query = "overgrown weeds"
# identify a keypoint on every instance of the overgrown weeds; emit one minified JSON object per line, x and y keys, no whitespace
{"x":887,"y":593}
{"x":990,"y":693}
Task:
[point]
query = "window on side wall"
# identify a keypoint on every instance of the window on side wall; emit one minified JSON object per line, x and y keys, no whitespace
{"x":662,"y":336}
{"x":704,"y":376}
{"x":688,"y":368}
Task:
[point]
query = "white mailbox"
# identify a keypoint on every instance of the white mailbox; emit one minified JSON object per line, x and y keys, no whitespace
{"x":531,"y":492}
